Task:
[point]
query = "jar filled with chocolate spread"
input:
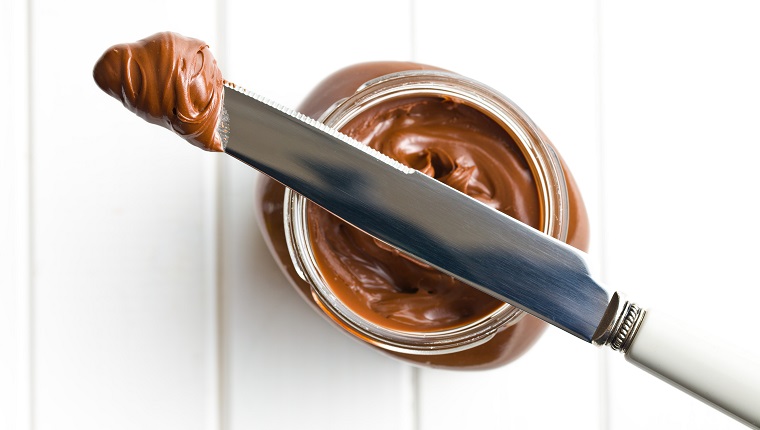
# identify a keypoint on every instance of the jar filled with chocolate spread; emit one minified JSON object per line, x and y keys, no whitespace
{"x":461,"y":133}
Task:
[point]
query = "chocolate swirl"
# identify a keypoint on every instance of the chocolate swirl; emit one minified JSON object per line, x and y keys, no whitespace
{"x":457,"y":145}
{"x":169,"y":80}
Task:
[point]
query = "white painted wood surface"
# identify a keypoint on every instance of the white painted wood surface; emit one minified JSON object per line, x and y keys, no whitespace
{"x":135,"y":291}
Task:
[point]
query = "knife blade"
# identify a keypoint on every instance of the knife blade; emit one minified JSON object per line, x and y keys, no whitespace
{"x":414,"y":213}
{"x":479,"y":246}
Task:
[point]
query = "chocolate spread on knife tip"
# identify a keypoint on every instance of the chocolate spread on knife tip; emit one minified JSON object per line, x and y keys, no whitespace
{"x":169,"y":80}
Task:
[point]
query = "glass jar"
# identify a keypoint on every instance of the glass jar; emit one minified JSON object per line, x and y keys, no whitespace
{"x":467,"y":330}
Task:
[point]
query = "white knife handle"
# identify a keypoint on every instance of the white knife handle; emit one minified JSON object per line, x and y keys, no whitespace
{"x":709,"y":370}
{"x":714,"y":373}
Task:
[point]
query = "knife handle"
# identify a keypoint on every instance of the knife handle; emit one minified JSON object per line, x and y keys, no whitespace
{"x":715,"y":373}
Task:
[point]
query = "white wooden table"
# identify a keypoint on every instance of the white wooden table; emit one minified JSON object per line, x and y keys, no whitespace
{"x":136,"y":293}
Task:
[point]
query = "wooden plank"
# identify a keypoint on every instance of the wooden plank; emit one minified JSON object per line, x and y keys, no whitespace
{"x":15,"y":328}
{"x":680,"y":112}
{"x":285,"y":367}
{"x":542,"y":55}
{"x":123,"y":271}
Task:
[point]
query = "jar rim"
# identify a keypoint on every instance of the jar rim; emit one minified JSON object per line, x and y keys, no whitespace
{"x":540,"y":156}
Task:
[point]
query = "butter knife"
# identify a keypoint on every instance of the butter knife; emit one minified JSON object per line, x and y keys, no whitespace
{"x":482,"y":247}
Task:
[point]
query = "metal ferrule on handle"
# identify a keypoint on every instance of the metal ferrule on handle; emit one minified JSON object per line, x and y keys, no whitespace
{"x":620,"y":324}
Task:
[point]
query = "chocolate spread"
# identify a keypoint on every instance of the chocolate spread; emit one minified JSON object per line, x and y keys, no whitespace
{"x":169,"y":80}
{"x":456,"y":145}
